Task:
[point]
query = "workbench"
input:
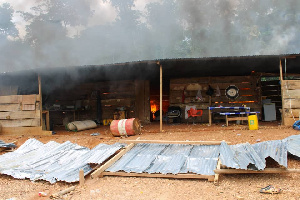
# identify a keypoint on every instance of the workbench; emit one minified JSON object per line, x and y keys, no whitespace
{"x":223,"y":111}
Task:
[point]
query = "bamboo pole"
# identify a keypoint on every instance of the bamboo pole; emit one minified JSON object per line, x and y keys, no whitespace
{"x":160,"y":99}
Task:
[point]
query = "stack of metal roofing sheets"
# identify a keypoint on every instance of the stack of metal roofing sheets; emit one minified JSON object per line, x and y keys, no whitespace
{"x":253,"y":157}
{"x":169,"y":159}
{"x":53,"y":161}
{"x":61,"y":162}
{"x":293,"y":145}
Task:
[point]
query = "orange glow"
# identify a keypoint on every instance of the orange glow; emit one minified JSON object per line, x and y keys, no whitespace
{"x":243,"y":101}
{"x":245,"y":89}
{"x":153,"y":107}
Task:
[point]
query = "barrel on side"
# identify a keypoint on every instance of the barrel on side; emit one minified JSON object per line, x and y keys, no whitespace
{"x":125,"y":127}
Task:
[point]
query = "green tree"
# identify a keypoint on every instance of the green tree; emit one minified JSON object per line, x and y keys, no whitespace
{"x":7,"y":27}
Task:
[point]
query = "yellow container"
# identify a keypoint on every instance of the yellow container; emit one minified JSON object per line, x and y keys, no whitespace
{"x":253,"y":122}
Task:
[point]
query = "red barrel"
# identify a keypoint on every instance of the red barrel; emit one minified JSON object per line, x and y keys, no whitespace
{"x":125,"y":127}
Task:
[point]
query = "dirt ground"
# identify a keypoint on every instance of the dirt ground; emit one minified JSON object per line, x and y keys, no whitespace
{"x":243,"y":186}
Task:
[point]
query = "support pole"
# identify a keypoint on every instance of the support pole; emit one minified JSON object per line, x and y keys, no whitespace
{"x":160,"y":99}
{"x":282,"y":93}
{"x":41,"y":102}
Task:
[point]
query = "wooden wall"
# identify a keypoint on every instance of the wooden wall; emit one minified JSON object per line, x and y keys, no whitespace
{"x":113,"y":95}
{"x":20,"y":111}
{"x":290,"y":101}
{"x":21,"y":115}
{"x":249,"y":93}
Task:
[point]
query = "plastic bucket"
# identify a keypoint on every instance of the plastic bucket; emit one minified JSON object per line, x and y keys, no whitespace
{"x":253,"y":122}
{"x":125,"y":127}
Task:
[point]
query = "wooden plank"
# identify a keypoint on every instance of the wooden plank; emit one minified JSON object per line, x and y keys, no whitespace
{"x":20,"y":123}
{"x":29,"y":99}
{"x":10,"y":99}
{"x":289,"y":113}
{"x":176,"y":176}
{"x":216,"y":179}
{"x":265,"y":171}
{"x":237,"y":118}
{"x":24,"y":131}
{"x":116,"y":102}
{"x":282,"y":88}
{"x":291,"y":84}
{"x":290,"y":121}
{"x":81,"y":177}
{"x":291,"y":103}
{"x":20,"y":115}
{"x":10,"y":107}
{"x":172,"y":142}
{"x":27,"y":107}
{"x":291,"y":93}
{"x":111,"y":161}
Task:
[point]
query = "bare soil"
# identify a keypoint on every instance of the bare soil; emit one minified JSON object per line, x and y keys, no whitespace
{"x":243,"y":186}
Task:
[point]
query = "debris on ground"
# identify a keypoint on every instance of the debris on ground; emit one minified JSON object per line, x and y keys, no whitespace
{"x":270,"y":190}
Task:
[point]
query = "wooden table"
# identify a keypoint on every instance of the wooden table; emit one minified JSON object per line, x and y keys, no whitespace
{"x":220,"y":108}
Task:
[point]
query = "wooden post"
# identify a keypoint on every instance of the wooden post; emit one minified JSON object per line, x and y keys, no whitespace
{"x":160,"y":99}
{"x":41,"y":102}
{"x":209,"y":116}
{"x":282,"y":93}
{"x":81,"y":177}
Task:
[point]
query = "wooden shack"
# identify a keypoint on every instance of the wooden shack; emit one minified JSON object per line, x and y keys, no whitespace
{"x":136,"y":90}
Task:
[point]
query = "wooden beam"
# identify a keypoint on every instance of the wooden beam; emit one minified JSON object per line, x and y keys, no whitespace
{"x":172,"y":142}
{"x":177,"y":176}
{"x":21,"y":123}
{"x":160,"y":99}
{"x":98,"y":172}
{"x":20,"y":114}
{"x":24,"y":131}
{"x":282,"y":83}
{"x":265,"y":171}
{"x":63,"y":192}
{"x":11,"y":99}
{"x":216,"y":179}
{"x":81,"y":177}
{"x":41,"y":102}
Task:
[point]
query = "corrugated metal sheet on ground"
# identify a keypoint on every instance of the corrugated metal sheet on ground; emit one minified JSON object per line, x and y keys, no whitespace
{"x":246,"y":156}
{"x":53,"y":161}
{"x":293,"y":145}
{"x":169,"y":159}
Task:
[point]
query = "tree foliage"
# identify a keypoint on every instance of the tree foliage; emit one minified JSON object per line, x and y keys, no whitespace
{"x":7,"y":27}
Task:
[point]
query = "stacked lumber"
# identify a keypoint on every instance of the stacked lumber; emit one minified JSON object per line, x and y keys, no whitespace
{"x":20,"y":114}
{"x":290,"y":101}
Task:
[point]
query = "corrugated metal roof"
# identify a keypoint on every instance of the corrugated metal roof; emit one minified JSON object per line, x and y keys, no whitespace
{"x":61,"y":162}
{"x":169,"y":159}
{"x":246,"y":156}
{"x":53,"y":161}
{"x":293,"y":145}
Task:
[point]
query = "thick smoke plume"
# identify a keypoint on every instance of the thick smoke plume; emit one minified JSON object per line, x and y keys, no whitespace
{"x":90,"y":32}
